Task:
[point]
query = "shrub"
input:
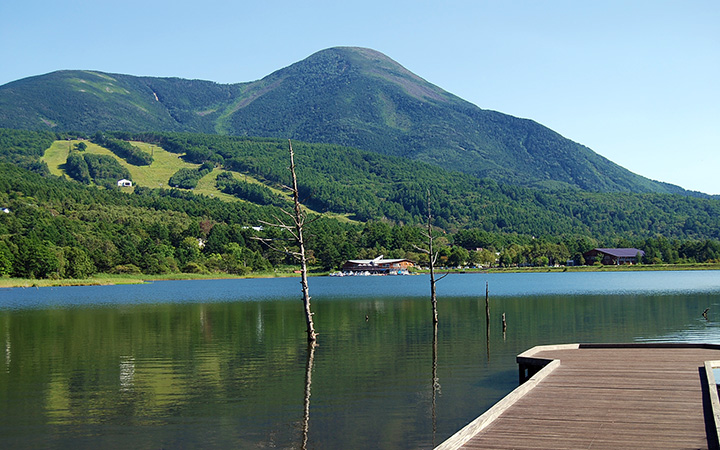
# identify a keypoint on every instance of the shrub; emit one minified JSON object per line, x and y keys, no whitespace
{"x":126,"y":269}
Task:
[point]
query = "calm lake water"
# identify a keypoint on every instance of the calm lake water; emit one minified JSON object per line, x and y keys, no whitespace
{"x":224,"y":364}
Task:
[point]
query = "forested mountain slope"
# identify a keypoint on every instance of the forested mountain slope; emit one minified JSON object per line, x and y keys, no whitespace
{"x":346,"y":96}
{"x":370,"y":187}
{"x":367,"y":186}
{"x":92,"y":101}
{"x":57,"y":227}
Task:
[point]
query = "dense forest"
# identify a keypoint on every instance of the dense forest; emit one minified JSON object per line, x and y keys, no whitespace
{"x":52,"y":227}
{"x":101,"y":169}
{"x":123,"y":149}
{"x":369,"y":186}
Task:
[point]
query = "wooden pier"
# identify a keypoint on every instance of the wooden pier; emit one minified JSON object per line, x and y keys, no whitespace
{"x":604,"y":396}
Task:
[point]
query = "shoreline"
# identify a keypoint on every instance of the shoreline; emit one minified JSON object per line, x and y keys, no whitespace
{"x":111,"y":279}
{"x":104,"y":279}
{"x":624,"y":268}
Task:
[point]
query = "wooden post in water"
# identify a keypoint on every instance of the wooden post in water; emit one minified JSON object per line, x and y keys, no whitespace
{"x":487,"y":320}
{"x":487,"y":304}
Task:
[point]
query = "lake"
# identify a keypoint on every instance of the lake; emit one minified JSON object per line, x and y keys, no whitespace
{"x":224,"y":363}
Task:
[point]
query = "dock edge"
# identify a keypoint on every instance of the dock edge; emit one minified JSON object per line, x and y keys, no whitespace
{"x":539,"y":368}
{"x":533,"y":370}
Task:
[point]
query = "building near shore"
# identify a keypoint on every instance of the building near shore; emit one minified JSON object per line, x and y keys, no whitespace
{"x":614,"y":256}
{"x":378,"y":266}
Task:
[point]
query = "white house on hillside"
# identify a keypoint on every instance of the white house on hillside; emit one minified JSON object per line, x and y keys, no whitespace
{"x":124,"y":183}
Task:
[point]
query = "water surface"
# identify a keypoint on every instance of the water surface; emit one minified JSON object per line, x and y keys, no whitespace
{"x":223,"y":363}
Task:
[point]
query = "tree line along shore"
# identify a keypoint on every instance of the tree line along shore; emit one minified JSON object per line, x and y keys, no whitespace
{"x":113,"y":279}
{"x":57,"y":228}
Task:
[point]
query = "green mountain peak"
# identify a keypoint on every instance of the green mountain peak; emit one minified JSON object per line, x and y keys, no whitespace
{"x":349,"y":96}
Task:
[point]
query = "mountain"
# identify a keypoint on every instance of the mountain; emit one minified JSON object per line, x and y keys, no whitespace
{"x":90,"y":101}
{"x":348,"y":96}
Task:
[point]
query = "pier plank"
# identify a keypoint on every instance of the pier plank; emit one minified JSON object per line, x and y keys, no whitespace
{"x":629,"y":396}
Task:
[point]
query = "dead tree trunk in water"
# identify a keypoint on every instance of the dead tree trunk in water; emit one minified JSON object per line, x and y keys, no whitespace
{"x":432,"y":255}
{"x":298,"y":217}
{"x":433,"y":259}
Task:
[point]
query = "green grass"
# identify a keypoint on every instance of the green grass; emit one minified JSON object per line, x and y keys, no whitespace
{"x":101,"y":88}
{"x":99,"y":280}
{"x":103,"y":279}
{"x":156,"y":175}
{"x":206,"y":186}
{"x":57,"y":155}
{"x":164,"y":166}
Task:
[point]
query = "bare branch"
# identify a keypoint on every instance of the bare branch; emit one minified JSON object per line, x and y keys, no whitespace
{"x":420,"y":249}
{"x":275,"y":224}
{"x":270,"y":243}
{"x":435,"y":257}
{"x":313,"y":219}
{"x":289,"y":214}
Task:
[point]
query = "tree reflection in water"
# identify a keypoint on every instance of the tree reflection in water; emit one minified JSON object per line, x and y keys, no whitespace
{"x":435,"y":380}
{"x":308,"y":388}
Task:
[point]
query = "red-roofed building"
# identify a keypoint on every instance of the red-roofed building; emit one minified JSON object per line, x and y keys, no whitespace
{"x":377,"y":265}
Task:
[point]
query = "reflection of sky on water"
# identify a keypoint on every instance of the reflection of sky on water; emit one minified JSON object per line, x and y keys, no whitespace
{"x":337,"y":288}
{"x":127,"y":373}
{"x":8,"y":350}
{"x":702,"y":331}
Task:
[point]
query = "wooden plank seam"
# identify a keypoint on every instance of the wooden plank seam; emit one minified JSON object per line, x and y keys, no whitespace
{"x":473,"y":428}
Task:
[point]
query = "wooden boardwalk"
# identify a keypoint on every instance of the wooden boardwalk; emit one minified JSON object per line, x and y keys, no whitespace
{"x":643,"y":396}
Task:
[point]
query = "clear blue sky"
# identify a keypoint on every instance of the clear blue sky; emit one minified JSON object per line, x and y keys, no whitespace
{"x":636,"y":81}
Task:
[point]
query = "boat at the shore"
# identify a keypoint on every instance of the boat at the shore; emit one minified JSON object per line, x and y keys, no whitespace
{"x":366,"y":273}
